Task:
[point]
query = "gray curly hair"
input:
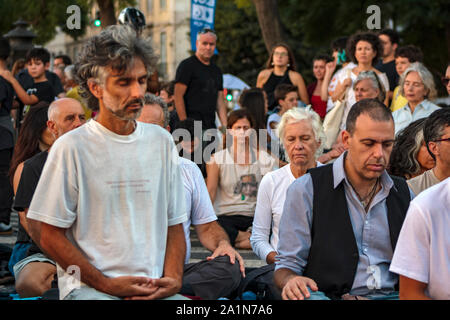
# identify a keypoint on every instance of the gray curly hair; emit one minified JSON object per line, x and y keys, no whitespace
{"x":115,"y":47}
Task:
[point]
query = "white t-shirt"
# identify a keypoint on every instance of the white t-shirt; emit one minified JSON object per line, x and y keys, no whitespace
{"x":269,"y":208}
{"x":238,"y":184}
{"x":333,"y":83}
{"x":116,"y":195}
{"x":198,"y":203}
{"x":423,"y":247}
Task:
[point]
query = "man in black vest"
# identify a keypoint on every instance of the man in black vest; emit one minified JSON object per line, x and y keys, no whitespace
{"x":341,"y":221}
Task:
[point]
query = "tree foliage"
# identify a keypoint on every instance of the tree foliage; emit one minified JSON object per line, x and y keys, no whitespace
{"x":43,"y":16}
{"x":310,"y":26}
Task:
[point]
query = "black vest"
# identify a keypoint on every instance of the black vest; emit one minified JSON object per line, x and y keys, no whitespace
{"x":333,"y":256}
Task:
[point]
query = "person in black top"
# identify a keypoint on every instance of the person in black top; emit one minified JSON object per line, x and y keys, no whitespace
{"x":33,"y":279}
{"x":199,"y":85}
{"x":6,"y":142}
{"x":280,"y":69}
{"x":389,"y":40}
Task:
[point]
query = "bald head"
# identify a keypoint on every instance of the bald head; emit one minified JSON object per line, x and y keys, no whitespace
{"x":64,"y":115}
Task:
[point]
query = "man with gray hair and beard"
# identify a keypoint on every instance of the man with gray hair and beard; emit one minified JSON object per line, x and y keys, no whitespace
{"x":109,"y":205}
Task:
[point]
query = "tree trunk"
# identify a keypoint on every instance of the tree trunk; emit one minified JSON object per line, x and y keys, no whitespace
{"x":107,"y":12}
{"x":269,"y":22}
{"x":447,"y":31}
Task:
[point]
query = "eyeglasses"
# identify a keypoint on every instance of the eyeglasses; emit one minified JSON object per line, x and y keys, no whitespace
{"x":445,"y":81}
{"x":206,"y":30}
{"x":440,"y":140}
{"x":281,"y":54}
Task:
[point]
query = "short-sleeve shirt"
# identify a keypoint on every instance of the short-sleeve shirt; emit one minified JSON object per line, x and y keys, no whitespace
{"x":422,"y":182}
{"x":203,"y":85}
{"x":198,"y":202}
{"x":422,"y":252}
{"x":43,"y":90}
{"x":390,"y":71}
{"x":238,"y":184}
{"x":32,"y":169}
{"x":116,"y":196}
{"x":27,"y":81}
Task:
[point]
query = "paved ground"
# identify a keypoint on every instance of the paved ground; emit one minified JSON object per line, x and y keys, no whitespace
{"x":198,"y":252}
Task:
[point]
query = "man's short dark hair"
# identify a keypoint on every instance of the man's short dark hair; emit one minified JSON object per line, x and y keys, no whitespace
{"x":38,"y":54}
{"x":393,"y":35}
{"x":282,"y":90}
{"x":411,"y":52}
{"x":375,"y":109}
{"x":4,"y":48}
{"x":435,"y":126}
{"x":65,"y":58}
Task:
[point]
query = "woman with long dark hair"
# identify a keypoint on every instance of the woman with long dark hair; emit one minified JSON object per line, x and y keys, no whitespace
{"x":281,"y":68}
{"x":410,"y":157}
{"x":33,"y":138}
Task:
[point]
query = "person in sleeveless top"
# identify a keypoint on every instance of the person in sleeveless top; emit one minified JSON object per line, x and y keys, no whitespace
{"x":280,"y":68}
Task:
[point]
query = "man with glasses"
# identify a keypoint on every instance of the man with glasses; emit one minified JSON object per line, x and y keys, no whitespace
{"x":437,"y":139}
{"x":422,"y":255}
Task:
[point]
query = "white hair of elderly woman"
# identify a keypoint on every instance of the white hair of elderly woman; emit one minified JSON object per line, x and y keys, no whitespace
{"x":298,"y":114}
{"x":425,"y":75}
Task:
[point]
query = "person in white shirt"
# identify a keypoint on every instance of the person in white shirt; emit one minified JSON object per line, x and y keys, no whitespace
{"x":302,"y":135}
{"x":417,"y":86}
{"x":220,"y":274}
{"x":109,"y":206}
{"x":436,"y":134}
{"x":422,"y":255}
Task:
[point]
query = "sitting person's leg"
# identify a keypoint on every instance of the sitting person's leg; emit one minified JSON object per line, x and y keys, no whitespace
{"x":211,"y":279}
{"x":236,"y":228}
{"x":88,"y":293}
{"x":34,"y":275}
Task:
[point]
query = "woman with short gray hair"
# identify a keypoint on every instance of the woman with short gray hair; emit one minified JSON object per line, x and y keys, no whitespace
{"x":417,"y":86}
{"x":368,"y":86}
{"x":302,"y":136}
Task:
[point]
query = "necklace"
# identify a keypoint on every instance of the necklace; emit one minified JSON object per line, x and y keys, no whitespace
{"x":365,"y":201}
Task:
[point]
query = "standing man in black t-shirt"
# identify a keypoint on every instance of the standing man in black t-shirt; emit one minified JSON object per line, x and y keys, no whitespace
{"x":199,"y":84}
{"x":199,"y":90}
{"x":35,"y":272}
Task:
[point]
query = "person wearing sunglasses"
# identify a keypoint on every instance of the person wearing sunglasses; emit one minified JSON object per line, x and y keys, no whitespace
{"x":421,"y":258}
{"x":436,"y":133}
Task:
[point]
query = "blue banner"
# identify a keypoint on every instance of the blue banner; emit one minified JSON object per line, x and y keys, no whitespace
{"x":202,"y":16}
